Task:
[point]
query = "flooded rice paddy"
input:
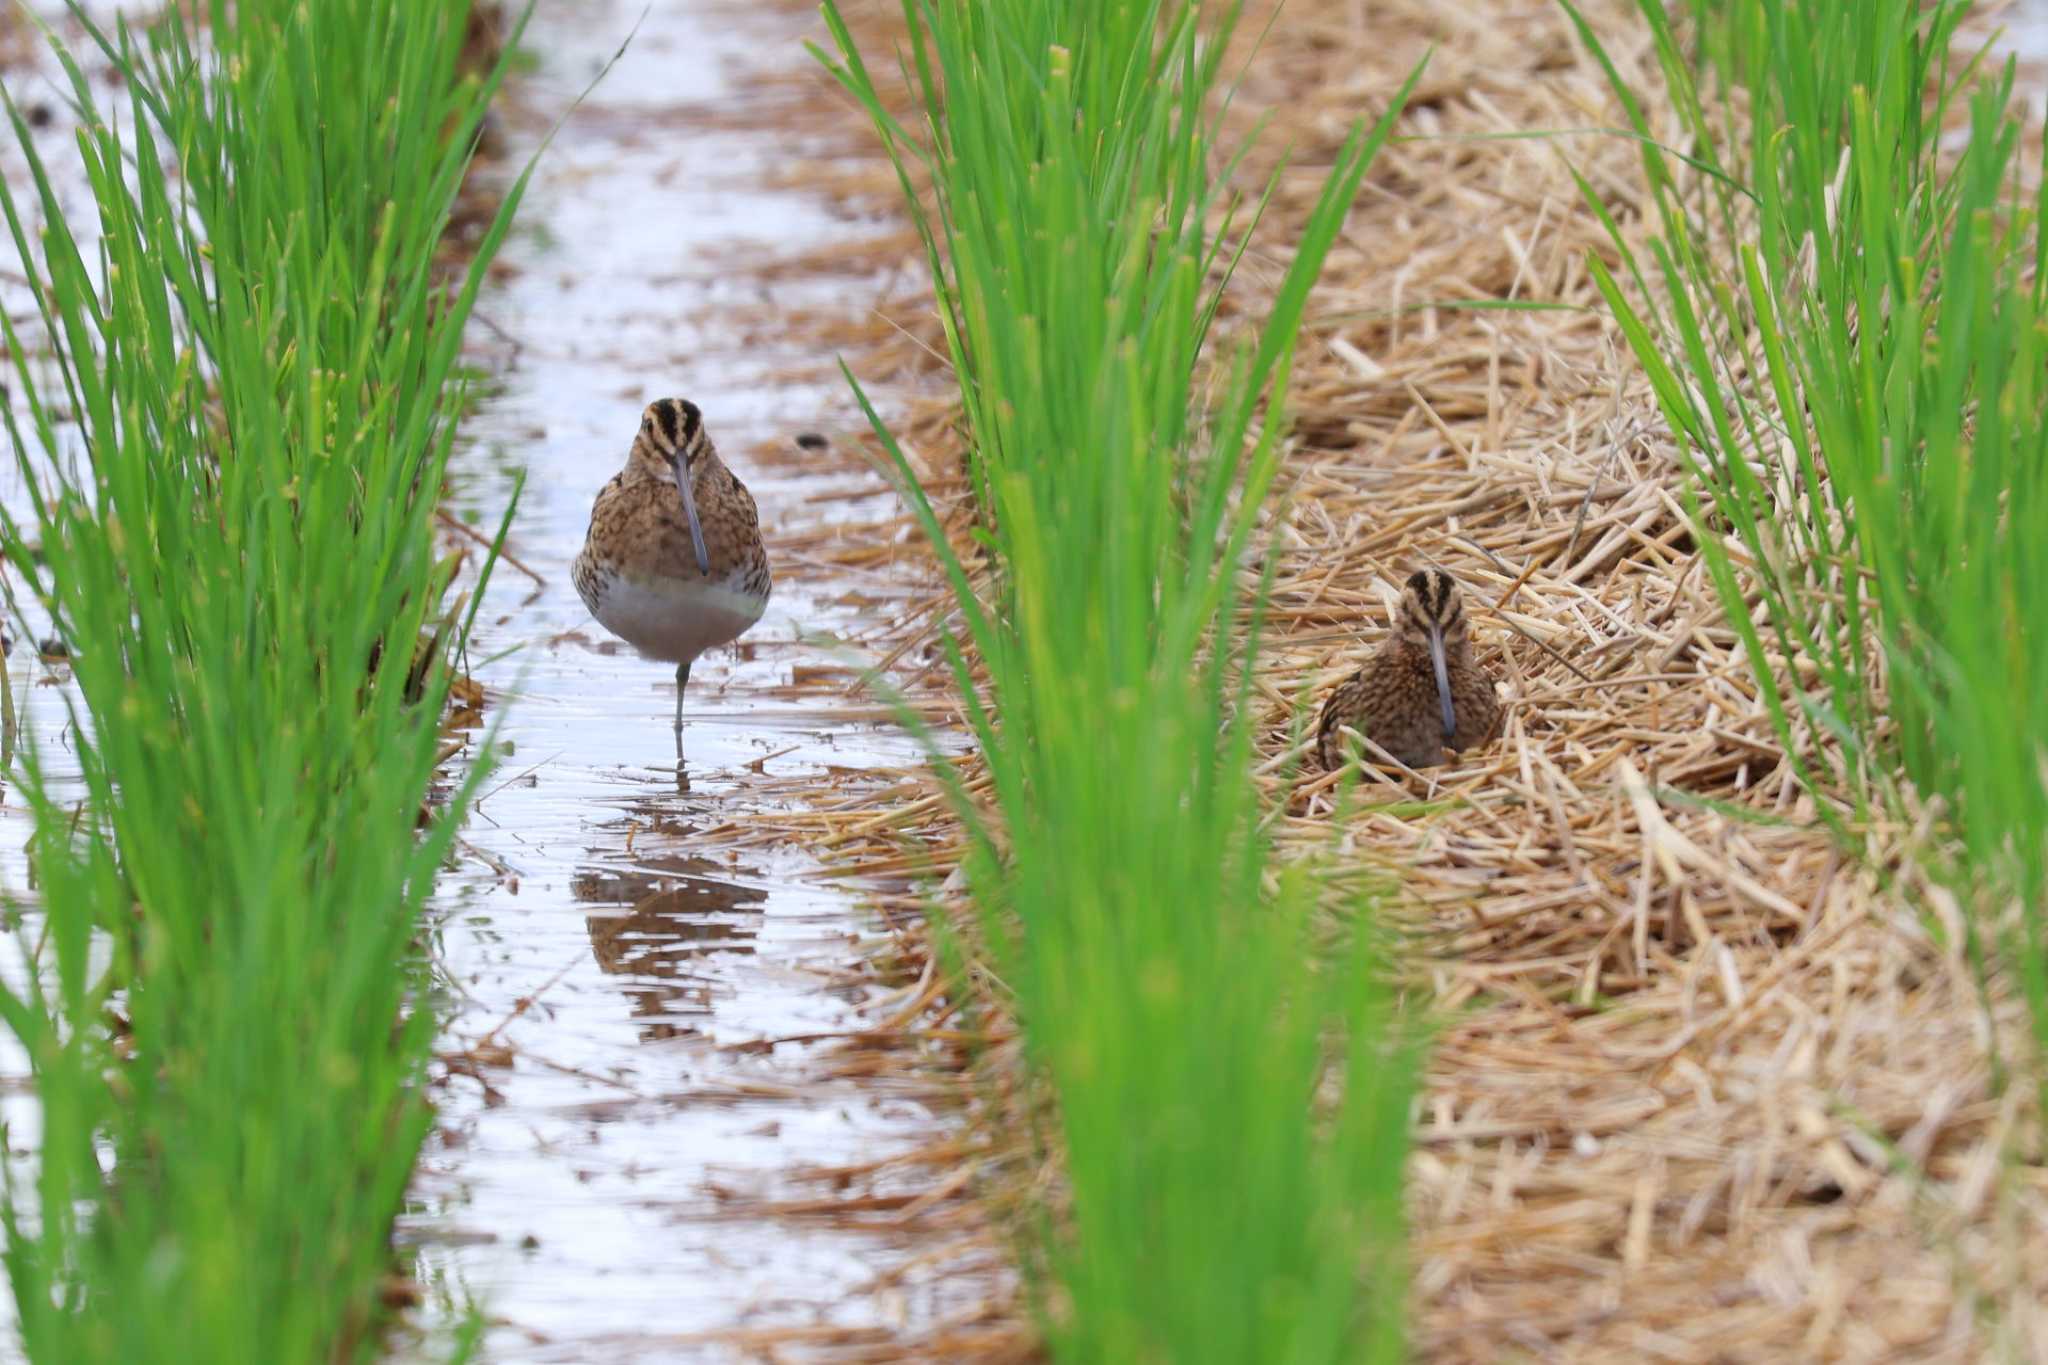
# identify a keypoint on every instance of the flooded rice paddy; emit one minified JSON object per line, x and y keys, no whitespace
{"x":625,"y":1121}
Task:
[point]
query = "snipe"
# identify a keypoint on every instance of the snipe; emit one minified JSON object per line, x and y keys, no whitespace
{"x":1420,"y":693}
{"x":673,"y":563}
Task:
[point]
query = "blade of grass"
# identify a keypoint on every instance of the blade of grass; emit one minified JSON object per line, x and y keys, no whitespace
{"x":1170,"y":981}
{"x":225,"y":1009}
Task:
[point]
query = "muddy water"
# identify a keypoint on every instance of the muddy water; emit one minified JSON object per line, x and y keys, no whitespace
{"x":612,"y":945}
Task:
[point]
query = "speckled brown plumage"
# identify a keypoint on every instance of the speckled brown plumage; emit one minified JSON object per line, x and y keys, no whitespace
{"x":642,"y":573}
{"x":1394,"y":698}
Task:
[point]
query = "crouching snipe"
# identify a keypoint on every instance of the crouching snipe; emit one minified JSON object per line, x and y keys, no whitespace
{"x":1421,"y":693}
{"x":673,"y":563}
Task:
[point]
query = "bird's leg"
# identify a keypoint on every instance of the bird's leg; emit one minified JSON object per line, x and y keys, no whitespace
{"x":682,"y":681}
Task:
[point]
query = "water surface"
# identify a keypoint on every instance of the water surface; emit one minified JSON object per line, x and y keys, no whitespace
{"x":618,"y":941}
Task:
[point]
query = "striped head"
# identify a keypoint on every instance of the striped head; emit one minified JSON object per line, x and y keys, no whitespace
{"x":671,"y":429}
{"x":1431,"y":627}
{"x":667,"y":449}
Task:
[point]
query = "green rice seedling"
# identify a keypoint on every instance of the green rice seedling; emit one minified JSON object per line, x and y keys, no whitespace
{"x":1845,"y":333}
{"x":1232,"y":1100}
{"x":234,"y":445}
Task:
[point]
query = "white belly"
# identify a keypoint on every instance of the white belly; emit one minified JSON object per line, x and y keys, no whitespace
{"x":675,"y":619}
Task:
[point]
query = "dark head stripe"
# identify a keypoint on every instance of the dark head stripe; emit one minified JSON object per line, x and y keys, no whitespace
{"x":678,"y":420}
{"x":1434,"y":596}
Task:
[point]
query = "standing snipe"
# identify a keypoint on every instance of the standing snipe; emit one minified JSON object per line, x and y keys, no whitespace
{"x":673,"y":564}
{"x":1420,"y":693}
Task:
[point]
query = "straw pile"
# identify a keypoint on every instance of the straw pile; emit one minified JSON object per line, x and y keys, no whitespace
{"x":1706,"y":1084}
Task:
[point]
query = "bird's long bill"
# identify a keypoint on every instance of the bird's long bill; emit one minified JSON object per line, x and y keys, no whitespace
{"x":1443,"y":680}
{"x":697,"y":530}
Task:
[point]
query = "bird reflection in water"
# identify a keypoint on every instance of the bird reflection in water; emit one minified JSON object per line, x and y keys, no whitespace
{"x":670,"y":910}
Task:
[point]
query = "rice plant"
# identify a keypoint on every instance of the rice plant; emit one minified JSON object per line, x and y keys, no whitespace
{"x":1232,"y":1101}
{"x":235,"y":414}
{"x":1843,"y":326}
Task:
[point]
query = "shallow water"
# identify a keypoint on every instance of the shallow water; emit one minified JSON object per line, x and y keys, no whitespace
{"x":595,"y":1196}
